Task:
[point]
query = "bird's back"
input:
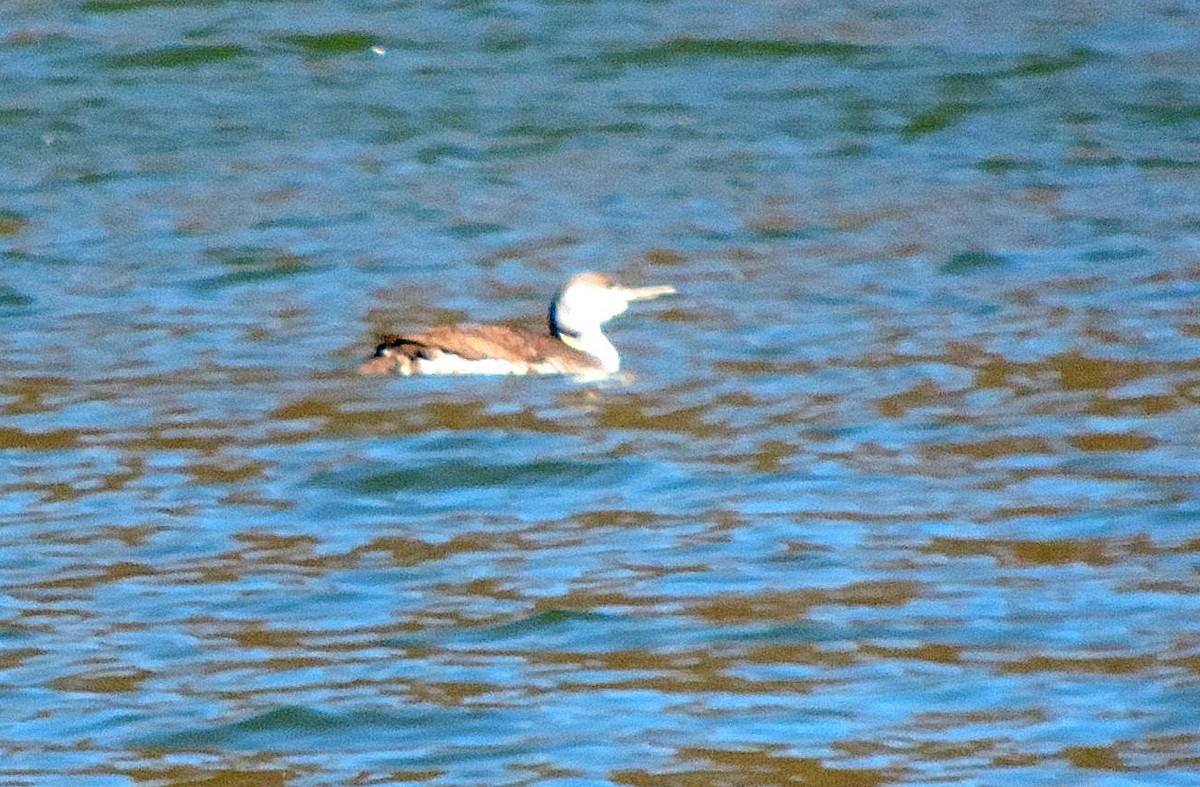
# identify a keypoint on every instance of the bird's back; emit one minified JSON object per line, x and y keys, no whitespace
{"x":477,"y":349}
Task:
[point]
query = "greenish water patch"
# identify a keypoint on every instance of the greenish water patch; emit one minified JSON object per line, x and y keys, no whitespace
{"x":981,"y":79}
{"x":787,"y":633}
{"x":687,"y":49}
{"x":784,"y":229}
{"x":543,"y":622}
{"x":251,"y":265}
{"x":311,"y":221}
{"x":939,"y":118}
{"x":16,"y":115}
{"x":292,"y":728}
{"x":11,"y":299}
{"x":1091,"y":156}
{"x":1163,"y":162}
{"x":1000,"y":165}
{"x":972,"y":261}
{"x":1048,"y":65}
{"x":328,"y":44}
{"x":1111,"y":225}
{"x":468,"y":230}
{"x":526,"y":139}
{"x":123,"y":6}
{"x":394,"y":125}
{"x":451,"y":476}
{"x":543,"y":132}
{"x":850,"y":150}
{"x":178,"y":56}
{"x":434,"y":154}
{"x":1115,"y":255}
{"x":579,"y":631}
{"x":962,"y":85}
{"x":654,"y":109}
{"x":504,"y":42}
{"x":1167,"y":114}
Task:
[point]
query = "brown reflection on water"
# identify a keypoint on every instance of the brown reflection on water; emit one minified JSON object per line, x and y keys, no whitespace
{"x":403,"y":551}
{"x":52,"y":440}
{"x":688,"y":672}
{"x":1072,"y":371}
{"x":1051,"y":552}
{"x":256,"y":771}
{"x":788,"y":607}
{"x":1112,"y":441}
{"x":735,"y":367}
{"x":653,"y":414}
{"x":1104,"y":665}
{"x":695,"y":766}
{"x":104,"y":681}
{"x":333,"y":415}
{"x":1096,"y":758}
{"x":30,"y":393}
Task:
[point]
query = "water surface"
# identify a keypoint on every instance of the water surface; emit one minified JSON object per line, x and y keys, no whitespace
{"x":902,"y":487}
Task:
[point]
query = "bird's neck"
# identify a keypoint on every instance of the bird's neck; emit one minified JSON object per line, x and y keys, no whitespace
{"x":595,"y":344}
{"x":590,"y":340}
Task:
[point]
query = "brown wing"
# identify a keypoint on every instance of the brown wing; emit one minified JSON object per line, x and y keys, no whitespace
{"x":478,"y":342}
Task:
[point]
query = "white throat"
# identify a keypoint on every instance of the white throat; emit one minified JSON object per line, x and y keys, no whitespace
{"x":596,"y":344}
{"x":577,"y":323}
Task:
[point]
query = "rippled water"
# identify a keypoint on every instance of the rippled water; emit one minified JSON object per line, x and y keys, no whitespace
{"x":903,"y":487}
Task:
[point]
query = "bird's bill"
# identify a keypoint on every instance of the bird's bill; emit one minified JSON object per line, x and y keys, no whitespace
{"x":647,"y":293}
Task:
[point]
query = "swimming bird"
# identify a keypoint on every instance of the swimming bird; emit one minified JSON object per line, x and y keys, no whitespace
{"x":573,"y":343}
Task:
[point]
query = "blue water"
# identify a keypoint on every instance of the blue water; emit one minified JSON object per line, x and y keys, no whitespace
{"x":901,"y":488}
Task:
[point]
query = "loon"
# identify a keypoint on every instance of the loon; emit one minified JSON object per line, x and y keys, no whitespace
{"x":573,"y":344}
